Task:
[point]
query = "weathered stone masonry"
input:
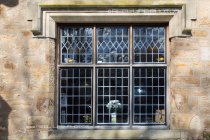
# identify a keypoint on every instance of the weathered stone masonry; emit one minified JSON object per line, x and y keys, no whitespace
{"x":28,"y":98}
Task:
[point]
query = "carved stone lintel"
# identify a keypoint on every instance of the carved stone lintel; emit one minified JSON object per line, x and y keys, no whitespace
{"x":46,"y":14}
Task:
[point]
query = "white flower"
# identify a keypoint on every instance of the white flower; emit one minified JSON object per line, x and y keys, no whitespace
{"x":113,"y":105}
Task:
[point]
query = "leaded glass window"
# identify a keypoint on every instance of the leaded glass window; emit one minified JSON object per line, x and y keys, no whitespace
{"x":112,"y":75}
{"x":112,"y":45}
{"x":76,"y":96}
{"x":112,"y":86}
{"x":149,"y":95}
{"x":76,"y":45}
{"x":149,"y":44}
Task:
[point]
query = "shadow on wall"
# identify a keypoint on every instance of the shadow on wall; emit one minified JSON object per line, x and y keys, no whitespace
{"x":4,"y":114}
{"x":9,"y":3}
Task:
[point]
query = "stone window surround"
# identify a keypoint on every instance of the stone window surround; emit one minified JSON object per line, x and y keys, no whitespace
{"x":44,"y":16}
{"x":44,"y":25}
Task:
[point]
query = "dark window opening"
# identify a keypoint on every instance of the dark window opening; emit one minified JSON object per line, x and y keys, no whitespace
{"x":112,"y":75}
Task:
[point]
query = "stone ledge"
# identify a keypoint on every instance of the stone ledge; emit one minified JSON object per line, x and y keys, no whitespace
{"x":118,"y":3}
{"x":115,"y":134}
{"x":46,"y":15}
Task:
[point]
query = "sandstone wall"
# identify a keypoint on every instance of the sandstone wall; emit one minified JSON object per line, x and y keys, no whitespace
{"x":190,"y":77}
{"x":27,"y":71}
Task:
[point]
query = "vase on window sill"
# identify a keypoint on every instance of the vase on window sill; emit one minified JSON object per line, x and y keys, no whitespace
{"x":114,"y":117}
{"x":69,"y":60}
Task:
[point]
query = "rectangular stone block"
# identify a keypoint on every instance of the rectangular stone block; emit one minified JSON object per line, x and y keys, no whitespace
{"x":203,"y":42}
{"x":193,"y":54}
{"x":204,"y":105}
{"x":115,"y":134}
{"x":206,"y":122}
{"x":38,"y":122}
{"x":181,"y":69}
{"x":185,"y":81}
{"x":179,"y":100}
{"x":205,"y":82}
{"x":199,"y":33}
{"x":184,"y":44}
{"x":20,"y":103}
{"x":193,"y":104}
{"x":180,"y":120}
{"x":17,"y":126}
{"x":200,"y":91}
{"x":205,"y":53}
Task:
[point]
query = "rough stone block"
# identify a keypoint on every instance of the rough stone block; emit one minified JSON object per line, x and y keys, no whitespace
{"x":17,"y":126}
{"x":193,"y":104}
{"x":20,"y":104}
{"x":43,"y":105}
{"x":205,"y":53}
{"x":179,"y":99}
{"x":186,"y":121}
{"x":38,"y":122}
{"x":205,"y":82}
{"x":200,"y":91}
{"x":200,"y":69}
{"x":181,"y":69}
{"x":115,"y":134}
{"x":204,"y":105}
{"x":185,"y":82}
{"x":204,"y":21}
{"x":206,"y":121}
{"x":203,"y":42}
{"x":186,"y":54}
{"x":183,"y":44}
{"x":199,"y":33}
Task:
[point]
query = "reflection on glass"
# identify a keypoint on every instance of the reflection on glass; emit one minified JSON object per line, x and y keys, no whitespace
{"x":112,"y":96}
{"x":76,"y":45}
{"x":149,"y":44}
{"x":149,"y":95}
{"x":112,"y":45}
{"x":76,"y":103}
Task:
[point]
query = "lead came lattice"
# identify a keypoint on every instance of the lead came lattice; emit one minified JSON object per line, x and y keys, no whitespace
{"x":112,"y":45}
{"x":124,"y":93}
{"x":76,"y":45}
{"x":76,"y":96}
{"x":149,"y":44}
{"x":112,"y":85}
{"x":149,"y":95}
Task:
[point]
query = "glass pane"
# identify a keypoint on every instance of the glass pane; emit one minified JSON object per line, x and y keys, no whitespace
{"x":112,"y":44}
{"x":149,"y":96}
{"x":113,"y":99}
{"x":149,"y":44}
{"x":76,"y":95}
{"x":76,"y":45}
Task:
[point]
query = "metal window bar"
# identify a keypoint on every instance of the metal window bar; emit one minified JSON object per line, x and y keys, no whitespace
{"x":149,"y":45}
{"x":149,"y":102}
{"x":112,"y":45}
{"x":75,"y":102}
{"x":107,"y":96}
{"x":76,"y":45}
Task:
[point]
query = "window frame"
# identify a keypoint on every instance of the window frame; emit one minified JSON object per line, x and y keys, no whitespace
{"x":94,"y":65}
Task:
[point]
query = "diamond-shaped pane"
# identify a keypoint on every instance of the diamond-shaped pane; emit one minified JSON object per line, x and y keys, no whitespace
{"x":112,"y":44}
{"x":76,"y":45}
{"x":149,"y":44}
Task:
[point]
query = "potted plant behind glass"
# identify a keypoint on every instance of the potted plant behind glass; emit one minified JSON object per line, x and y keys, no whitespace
{"x":113,"y":106}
